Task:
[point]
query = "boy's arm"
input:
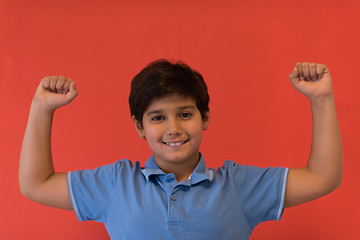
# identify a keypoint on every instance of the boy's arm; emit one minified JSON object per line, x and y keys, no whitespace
{"x":37,"y":177}
{"x":323,"y":172}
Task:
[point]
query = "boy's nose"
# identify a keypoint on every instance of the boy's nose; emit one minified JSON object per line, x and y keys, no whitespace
{"x":173,"y":127}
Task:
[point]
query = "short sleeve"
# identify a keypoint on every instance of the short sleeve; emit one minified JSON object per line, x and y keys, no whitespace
{"x":91,"y":191}
{"x":261,"y":191}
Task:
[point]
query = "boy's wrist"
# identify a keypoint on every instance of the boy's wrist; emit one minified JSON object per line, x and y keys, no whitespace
{"x":41,"y":108}
{"x":322,"y":98}
{"x":321,"y":101}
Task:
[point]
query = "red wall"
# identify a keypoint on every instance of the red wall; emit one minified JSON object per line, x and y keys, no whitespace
{"x":245,"y":50}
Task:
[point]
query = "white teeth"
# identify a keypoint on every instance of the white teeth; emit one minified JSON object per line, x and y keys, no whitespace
{"x":175,"y":144}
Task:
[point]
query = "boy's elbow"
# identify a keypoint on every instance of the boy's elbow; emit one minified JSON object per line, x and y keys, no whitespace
{"x":338,"y":182}
{"x":338,"y":179}
{"x":27,"y":189}
{"x":33,"y":194}
{"x":24,"y":190}
{"x":332,"y":185}
{"x":27,"y":195}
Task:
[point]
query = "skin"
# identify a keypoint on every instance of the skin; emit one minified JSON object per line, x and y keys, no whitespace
{"x":37,"y":177}
{"x":175,"y":119}
{"x":323,"y":172}
{"x":173,"y":127}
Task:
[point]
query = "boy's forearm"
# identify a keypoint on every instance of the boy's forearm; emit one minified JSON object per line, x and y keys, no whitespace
{"x":325,"y":160}
{"x":36,"y":161}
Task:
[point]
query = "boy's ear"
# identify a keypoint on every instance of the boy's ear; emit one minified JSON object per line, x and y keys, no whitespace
{"x":206,"y":121}
{"x":138,"y":127}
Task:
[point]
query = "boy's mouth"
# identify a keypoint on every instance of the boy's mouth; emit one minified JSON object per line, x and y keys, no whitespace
{"x":177,"y":143}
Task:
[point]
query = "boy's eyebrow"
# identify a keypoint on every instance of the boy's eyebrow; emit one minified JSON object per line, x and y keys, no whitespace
{"x":154,"y":112}
{"x":186,"y":107}
{"x":180,"y":108}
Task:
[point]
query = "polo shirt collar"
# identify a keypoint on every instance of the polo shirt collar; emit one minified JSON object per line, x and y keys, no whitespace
{"x":200,"y":173}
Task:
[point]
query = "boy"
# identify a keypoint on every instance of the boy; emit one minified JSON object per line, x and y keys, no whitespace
{"x":175,"y":196}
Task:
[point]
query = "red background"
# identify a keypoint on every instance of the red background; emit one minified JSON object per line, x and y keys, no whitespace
{"x":244,"y":49}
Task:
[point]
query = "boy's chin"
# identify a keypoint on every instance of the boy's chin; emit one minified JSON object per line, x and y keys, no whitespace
{"x":179,"y":157}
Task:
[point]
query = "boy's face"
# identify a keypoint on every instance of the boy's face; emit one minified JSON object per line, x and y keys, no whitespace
{"x":173,"y":128}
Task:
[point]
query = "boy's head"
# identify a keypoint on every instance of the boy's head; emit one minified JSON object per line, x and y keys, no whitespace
{"x":162,"y":78}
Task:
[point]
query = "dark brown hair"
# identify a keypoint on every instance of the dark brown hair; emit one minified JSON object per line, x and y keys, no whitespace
{"x":161,"y":78}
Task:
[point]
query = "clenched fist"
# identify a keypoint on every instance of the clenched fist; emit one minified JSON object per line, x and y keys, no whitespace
{"x":311,"y":79}
{"x":54,"y":92}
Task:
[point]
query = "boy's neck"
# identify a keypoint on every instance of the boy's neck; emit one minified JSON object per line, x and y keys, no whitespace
{"x":182,"y":171}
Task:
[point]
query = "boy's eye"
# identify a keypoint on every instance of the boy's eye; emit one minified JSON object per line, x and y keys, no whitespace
{"x":185,"y":115}
{"x":157,"y":118}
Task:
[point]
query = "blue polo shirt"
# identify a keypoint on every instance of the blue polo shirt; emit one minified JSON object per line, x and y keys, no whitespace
{"x":146,"y":203}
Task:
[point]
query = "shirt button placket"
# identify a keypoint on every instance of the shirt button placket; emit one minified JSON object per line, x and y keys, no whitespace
{"x":174,"y":208}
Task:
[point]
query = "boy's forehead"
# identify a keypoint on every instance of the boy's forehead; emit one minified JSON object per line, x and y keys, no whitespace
{"x":173,"y":100}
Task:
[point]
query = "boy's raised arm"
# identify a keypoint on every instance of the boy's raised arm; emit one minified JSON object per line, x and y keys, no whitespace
{"x":38,"y":180}
{"x":323,"y":172}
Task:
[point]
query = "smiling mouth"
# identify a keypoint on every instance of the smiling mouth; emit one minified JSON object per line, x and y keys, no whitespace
{"x":175,"y":144}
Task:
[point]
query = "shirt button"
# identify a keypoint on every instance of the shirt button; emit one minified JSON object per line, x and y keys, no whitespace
{"x":173,"y":197}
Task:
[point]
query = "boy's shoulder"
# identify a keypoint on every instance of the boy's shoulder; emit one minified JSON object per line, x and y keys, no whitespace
{"x":246,"y":175}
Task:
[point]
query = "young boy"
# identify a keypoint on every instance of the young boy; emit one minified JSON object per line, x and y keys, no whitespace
{"x":175,"y":196}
